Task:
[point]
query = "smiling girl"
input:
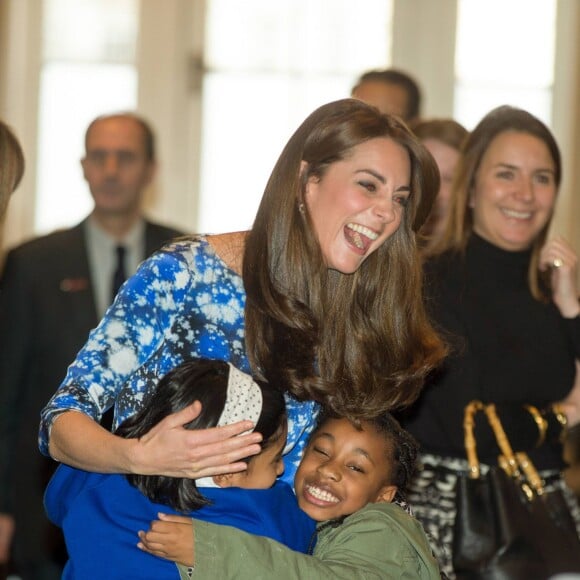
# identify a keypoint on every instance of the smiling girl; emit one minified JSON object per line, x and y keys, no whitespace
{"x":347,"y":480}
{"x":100,"y":514}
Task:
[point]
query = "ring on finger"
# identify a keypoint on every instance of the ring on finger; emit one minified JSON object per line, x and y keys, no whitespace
{"x":557,"y":263}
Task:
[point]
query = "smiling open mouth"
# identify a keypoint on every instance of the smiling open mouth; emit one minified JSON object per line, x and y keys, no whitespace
{"x":321,"y":494}
{"x":360,"y":236}
{"x":520,"y":215}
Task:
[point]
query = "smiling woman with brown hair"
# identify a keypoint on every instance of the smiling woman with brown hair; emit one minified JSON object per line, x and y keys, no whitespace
{"x":506,"y":297}
{"x":322,"y":298}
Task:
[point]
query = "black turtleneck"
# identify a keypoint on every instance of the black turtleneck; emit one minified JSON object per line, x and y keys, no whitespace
{"x":507,"y":348}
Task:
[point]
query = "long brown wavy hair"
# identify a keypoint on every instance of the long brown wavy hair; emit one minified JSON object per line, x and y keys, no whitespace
{"x":359,"y":343}
{"x":459,"y":225}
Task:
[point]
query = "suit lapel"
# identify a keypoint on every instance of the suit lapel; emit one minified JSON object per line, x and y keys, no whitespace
{"x":77,"y":282}
{"x":157,"y":236}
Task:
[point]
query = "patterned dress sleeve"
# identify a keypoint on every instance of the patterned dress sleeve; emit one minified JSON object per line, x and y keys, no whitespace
{"x":128,"y":335}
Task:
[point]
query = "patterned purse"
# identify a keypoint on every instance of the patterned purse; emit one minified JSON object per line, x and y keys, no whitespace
{"x":507,"y":526}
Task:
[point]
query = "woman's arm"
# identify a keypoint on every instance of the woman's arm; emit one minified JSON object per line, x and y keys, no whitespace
{"x":168,"y":449}
{"x":558,"y":255}
{"x":571,"y":404}
{"x":527,"y":426}
{"x":107,"y":371}
{"x":128,"y":336}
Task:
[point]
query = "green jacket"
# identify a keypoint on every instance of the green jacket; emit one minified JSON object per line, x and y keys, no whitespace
{"x":380,"y":541}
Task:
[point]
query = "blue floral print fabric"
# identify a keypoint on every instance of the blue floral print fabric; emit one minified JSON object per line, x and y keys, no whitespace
{"x":183,"y":302}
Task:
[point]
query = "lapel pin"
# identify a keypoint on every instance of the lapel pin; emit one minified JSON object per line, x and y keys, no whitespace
{"x":74,"y":284}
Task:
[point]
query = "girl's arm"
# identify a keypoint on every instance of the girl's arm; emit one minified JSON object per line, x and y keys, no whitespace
{"x":171,"y":539}
{"x":370,"y":544}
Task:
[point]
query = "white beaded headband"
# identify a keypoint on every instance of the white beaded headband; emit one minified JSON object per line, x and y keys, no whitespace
{"x":243,"y":399}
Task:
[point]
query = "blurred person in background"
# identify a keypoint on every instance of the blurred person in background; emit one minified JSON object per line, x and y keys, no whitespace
{"x":11,"y":172}
{"x":53,"y":291}
{"x":443,"y":138}
{"x":392,"y":91}
{"x":11,"y":165}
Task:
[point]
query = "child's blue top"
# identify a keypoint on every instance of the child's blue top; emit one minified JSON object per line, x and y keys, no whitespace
{"x":101,"y":514}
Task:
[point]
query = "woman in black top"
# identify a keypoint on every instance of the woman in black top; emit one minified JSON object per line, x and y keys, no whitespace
{"x":506,"y":300}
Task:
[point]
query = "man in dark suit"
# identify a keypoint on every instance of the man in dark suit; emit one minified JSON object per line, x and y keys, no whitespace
{"x":53,"y":291}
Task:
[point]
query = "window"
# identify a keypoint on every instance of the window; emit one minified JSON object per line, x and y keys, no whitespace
{"x":270,"y":64}
{"x":88,"y":69}
{"x":504,"y":55}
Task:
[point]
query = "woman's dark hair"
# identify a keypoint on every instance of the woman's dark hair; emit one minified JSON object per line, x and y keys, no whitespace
{"x":403,"y":447}
{"x":361,"y":342}
{"x":459,"y":226}
{"x":205,"y":381}
{"x":392,"y":76}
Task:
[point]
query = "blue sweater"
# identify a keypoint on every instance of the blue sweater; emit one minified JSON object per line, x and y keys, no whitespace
{"x":101,"y":514}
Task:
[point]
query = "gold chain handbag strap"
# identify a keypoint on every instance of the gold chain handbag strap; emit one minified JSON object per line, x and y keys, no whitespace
{"x":516,"y":465}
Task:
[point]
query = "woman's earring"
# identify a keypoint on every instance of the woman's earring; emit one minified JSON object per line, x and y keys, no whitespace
{"x":301,"y":208}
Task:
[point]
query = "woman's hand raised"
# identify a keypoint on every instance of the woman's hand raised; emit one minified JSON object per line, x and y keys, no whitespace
{"x":559,"y":255}
{"x":170,"y":449}
{"x":167,"y":449}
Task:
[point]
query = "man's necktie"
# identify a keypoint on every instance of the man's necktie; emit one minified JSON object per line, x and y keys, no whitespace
{"x":119,"y":275}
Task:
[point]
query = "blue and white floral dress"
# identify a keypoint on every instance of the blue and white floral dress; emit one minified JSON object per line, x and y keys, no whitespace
{"x":183,"y":302}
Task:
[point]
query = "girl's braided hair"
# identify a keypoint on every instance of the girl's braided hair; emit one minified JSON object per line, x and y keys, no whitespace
{"x":404,"y":448}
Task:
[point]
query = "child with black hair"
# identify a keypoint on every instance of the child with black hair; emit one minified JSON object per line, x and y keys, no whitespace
{"x":347,"y":480}
{"x":101,"y":513}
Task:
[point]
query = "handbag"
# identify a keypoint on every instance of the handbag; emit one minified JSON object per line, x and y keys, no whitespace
{"x":507,"y":526}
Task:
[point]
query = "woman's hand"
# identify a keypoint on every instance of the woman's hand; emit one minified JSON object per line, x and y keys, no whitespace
{"x":170,"y":449}
{"x":171,"y":538}
{"x":558,"y":255}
